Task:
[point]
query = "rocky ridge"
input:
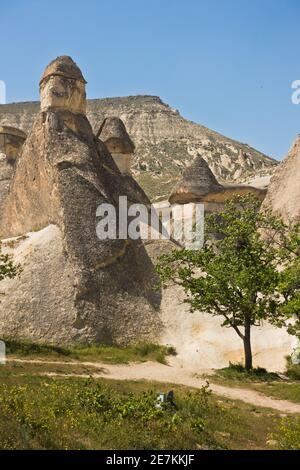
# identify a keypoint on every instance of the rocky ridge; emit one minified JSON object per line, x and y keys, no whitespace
{"x":166,"y":143}
{"x":283,"y":196}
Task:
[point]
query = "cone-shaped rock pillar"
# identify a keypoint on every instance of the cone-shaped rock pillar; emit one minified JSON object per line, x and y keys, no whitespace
{"x":63,"y":174}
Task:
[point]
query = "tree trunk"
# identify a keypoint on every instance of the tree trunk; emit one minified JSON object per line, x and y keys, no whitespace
{"x":247,"y":347}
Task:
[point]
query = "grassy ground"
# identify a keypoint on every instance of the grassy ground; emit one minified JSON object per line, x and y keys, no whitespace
{"x":73,"y":413}
{"x":44,"y":412}
{"x":109,"y":354}
{"x":262,"y":381}
{"x":24,"y":368}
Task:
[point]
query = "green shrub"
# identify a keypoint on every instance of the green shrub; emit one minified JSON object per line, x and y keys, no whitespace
{"x":238,"y":372}
{"x":287,"y":436}
{"x":87,"y":414}
{"x":292,"y":370}
{"x":110,"y":354}
{"x":27,"y":348}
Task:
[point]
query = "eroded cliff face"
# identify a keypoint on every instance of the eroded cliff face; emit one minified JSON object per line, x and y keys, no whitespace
{"x":283,"y":196}
{"x":166,"y":143}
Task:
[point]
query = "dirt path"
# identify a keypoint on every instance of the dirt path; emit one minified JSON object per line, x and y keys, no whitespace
{"x":173,"y":374}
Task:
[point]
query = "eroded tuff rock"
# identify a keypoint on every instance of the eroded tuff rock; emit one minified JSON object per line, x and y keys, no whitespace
{"x":166,"y":143}
{"x":283,"y":196}
{"x":113,"y":134}
{"x":198,"y":184}
{"x":11,"y":142}
{"x":104,"y":288}
{"x":6,"y":172}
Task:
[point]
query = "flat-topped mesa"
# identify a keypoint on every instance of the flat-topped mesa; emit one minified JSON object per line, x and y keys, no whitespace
{"x":113,"y":134}
{"x":199,"y":184}
{"x":62,"y":86}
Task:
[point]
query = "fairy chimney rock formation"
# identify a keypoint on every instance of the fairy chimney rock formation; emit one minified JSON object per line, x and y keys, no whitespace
{"x":199,"y":184}
{"x":62,"y":86}
{"x":11,"y":142}
{"x":198,"y":181}
{"x":114,"y":135}
{"x":283,"y":196}
{"x":101,"y":289}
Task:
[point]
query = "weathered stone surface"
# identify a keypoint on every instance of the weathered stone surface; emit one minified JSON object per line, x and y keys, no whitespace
{"x":61,"y":177}
{"x":63,"y":86}
{"x":63,"y":93}
{"x":113,"y":134}
{"x":6,"y":172}
{"x":63,"y":66}
{"x":198,"y":184}
{"x":11,"y":141}
{"x":283,"y":195}
{"x":165,"y":142}
{"x":44,"y":303}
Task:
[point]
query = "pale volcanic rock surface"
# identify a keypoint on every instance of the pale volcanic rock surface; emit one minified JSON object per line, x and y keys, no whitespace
{"x":283,"y":196}
{"x":61,"y":177}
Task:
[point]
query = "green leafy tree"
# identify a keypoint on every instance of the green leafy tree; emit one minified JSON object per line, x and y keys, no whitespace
{"x":8,"y":269}
{"x":235,"y":275}
{"x":290,"y":282}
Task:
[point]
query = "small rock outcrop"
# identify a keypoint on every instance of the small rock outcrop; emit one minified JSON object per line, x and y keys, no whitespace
{"x":63,"y":86}
{"x":11,"y":142}
{"x":198,"y":184}
{"x":283,"y":196}
{"x":198,"y":181}
{"x":113,"y":134}
{"x":104,"y":289}
{"x":6,"y":172}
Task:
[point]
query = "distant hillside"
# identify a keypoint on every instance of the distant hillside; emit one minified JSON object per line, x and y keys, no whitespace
{"x":165,"y":141}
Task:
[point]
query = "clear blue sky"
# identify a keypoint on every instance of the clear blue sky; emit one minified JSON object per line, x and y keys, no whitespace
{"x":227,"y":64}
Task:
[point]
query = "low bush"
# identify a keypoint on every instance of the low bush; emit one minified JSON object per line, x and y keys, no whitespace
{"x":292,"y":370}
{"x":238,"y":372}
{"x":111,"y":354}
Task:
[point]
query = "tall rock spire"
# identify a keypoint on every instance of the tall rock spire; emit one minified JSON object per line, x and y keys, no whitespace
{"x":63,"y":174}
